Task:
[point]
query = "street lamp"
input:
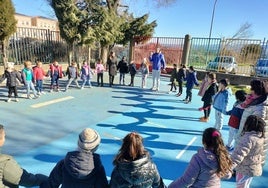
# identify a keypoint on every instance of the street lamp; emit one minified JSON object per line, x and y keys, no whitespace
{"x":211,"y":26}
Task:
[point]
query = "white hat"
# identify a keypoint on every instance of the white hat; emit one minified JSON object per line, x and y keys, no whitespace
{"x":89,"y":140}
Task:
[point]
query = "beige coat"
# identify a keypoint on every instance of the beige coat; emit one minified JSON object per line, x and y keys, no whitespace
{"x":248,"y":154}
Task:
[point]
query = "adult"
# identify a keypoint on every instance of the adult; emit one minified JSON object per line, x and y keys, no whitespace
{"x":112,"y":67}
{"x":11,"y":174}
{"x":158,"y":63}
{"x":81,"y":168}
{"x":133,"y":165}
{"x":123,"y":69}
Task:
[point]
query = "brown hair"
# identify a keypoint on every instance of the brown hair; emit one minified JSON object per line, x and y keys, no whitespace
{"x":131,"y":149}
{"x":27,"y":64}
{"x":212,"y":140}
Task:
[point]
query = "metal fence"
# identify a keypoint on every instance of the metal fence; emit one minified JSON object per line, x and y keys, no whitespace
{"x":46,"y":45}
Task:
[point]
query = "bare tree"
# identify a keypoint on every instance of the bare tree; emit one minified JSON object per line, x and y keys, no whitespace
{"x":243,"y":32}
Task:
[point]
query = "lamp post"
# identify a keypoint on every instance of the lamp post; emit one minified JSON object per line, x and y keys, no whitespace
{"x":211,"y":26}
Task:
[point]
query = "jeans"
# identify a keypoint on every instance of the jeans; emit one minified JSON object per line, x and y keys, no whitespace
{"x":86,"y":81}
{"x":39,"y":85}
{"x":122,"y":78}
{"x":12,"y":89}
{"x":30,"y":86}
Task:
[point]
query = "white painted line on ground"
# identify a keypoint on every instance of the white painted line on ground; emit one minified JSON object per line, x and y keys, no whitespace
{"x":186,"y":147}
{"x":111,"y":136}
{"x":156,"y":124}
{"x":51,"y":102}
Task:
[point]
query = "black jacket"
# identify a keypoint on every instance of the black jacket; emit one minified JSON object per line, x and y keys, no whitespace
{"x":141,"y":173}
{"x":210,"y":91}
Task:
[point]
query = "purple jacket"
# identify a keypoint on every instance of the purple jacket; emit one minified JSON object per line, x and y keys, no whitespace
{"x":201,"y":172}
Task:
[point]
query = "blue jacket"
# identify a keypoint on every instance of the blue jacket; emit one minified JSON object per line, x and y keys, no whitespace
{"x":158,"y":61}
{"x":220,"y":100}
{"x":191,"y":80}
{"x":235,"y":115}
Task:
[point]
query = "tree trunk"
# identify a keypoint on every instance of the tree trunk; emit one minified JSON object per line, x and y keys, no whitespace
{"x":131,"y":50}
{"x":104,"y":55}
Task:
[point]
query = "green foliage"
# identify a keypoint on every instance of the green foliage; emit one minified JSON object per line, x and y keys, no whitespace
{"x":139,"y":29}
{"x":7,"y":19}
{"x":69,"y":19}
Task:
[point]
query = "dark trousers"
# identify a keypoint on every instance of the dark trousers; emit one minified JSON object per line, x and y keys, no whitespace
{"x":206,"y":108}
{"x":180,"y":86}
{"x":188,"y":94}
{"x":173,"y":85}
{"x":54,"y":79}
{"x":12,"y":89}
{"x":100,"y":79}
{"x":132,"y":76}
{"x":111,"y":80}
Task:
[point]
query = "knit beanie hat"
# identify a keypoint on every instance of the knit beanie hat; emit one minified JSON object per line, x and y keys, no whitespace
{"x":89,"y":140}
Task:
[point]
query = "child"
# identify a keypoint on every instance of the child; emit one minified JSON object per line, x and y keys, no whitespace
{"x":28,"y":79}
{"x":191,"y":80}
{"x":86,"y":74}
{"x":99,"y":69}
{"x":220,"y":103}
{"x":82,"y":167}
{"x":55,"y":72}
{"x":254,"y":104}
{"x":144,"y":73}
{"x":39,"y":74}
{"x":248,"y":155}
{"x":72,"y":72}
{"x":173,"y":76}
{"x":180,"y":78}
{"x":11,"y":75}
{"x":123,"y":69}
{"x":204,"y":85}
{"x":235,"y":116}
{"x":132,"y":72}
{"x":208,"y":165}
{"x":133,"y":166}
{"x":211,"y":90}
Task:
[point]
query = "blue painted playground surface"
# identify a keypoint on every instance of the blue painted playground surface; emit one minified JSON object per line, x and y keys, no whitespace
{"x":39,"y":132}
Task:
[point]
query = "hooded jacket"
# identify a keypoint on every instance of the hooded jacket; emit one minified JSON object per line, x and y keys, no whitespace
{"x":141,"y":173}
{"x":248,"y":155}
{"x":201,"y":172}
{"x":18,"y":176}
{"x":78,"y":169}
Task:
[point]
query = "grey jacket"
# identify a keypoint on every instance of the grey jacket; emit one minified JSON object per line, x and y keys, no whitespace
{"x":201,"y":172}
{"x":248,"y":154}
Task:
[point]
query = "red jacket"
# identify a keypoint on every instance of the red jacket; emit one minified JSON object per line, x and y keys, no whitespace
{"x":39,"y":73}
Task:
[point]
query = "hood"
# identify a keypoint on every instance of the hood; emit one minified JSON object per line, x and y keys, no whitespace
{"x":208,"y":158}
{"x":79,"y":164}
{"x":133,"y":171}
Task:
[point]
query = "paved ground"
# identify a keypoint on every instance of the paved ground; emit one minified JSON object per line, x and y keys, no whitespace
{"x":41,"y":131}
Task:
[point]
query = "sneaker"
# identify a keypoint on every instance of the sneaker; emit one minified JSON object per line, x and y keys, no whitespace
{"x":51,"y":90}
{"x":229,"y":148}
{"x":29,"y":97}
{"x":82,"y":87}
{"x":38,"y":93}
{"x":187,"y":102}
{"x":9,"y":99}
{"x":43,"y":93}
{"x":203,"y":119}
{"x":16,"y":100}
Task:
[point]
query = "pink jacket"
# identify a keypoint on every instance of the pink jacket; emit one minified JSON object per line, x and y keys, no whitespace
{"x":99,"y":68}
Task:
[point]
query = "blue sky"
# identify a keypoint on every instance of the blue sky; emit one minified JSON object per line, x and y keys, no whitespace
{"x":185,"y":16}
